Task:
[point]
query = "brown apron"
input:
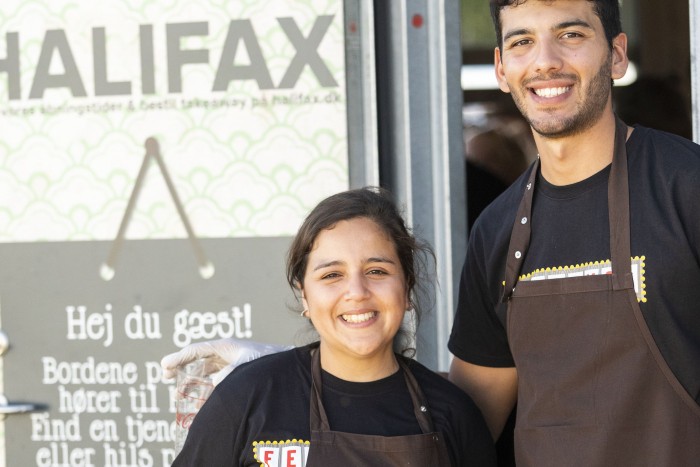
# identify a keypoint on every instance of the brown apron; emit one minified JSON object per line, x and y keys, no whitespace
{"x":593,"y":388}
{"x":333,"y":448}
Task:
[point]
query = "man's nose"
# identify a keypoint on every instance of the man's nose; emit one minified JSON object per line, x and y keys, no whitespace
{"x":548,"y":57}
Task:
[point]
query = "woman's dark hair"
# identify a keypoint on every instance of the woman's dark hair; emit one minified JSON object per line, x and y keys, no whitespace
{"x":377,"y":205}
{"x":607,"y":10}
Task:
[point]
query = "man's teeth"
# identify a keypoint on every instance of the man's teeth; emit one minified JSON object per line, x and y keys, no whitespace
{"x":359,"y":318}
{"x":551,"y":92}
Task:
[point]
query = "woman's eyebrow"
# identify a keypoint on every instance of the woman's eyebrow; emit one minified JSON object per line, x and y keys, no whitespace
{"x":327,"y":264}
{"x":374,"y":259}
{"x":380,"y":259}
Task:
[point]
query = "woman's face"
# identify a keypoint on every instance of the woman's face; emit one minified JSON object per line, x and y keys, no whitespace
{"x":355,"y":291}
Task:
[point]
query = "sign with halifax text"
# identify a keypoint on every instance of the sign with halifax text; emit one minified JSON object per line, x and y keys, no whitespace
{"x":246,"y":99}
{"x":156,"y":159}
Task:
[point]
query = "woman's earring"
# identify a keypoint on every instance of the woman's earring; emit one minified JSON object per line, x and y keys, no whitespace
{"x":303,"y":313}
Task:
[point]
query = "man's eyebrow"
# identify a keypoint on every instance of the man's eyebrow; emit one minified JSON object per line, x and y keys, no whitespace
{"x":556,"y":27}
{"x":572,"y":23}
{"x":515,"y":32}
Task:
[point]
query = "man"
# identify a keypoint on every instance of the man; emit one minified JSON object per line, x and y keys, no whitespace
{"x":579,"y":295}
{"x":581,"y":289}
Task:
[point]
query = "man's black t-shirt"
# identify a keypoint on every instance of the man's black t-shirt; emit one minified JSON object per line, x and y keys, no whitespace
{"x":570,"y":235}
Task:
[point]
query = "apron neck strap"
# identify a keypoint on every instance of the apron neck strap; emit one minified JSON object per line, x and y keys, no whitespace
{"x":619,"y":211}
{"x":420,"y":404}
{"x":618,"y":215}
{"x":318,"y":419}
{"x":520,"y":234}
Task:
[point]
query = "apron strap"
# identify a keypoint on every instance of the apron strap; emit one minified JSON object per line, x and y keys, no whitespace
{"x":420,"y":403}
{"x":520,"y":235}
{"x":619,"y":213}
{"x":318,"y":420}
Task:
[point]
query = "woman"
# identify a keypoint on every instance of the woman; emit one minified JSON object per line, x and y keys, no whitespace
{"x":348,"y":399}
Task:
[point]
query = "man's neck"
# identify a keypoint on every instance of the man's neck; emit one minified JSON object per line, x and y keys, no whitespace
{"x":574,"y":158}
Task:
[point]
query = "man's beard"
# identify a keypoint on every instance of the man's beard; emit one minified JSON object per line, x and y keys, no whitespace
{"x":595,"y":99}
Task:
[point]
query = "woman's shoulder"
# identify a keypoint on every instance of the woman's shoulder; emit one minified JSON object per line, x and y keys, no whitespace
{"x":276,"y":360}
{"x":279,"y":366}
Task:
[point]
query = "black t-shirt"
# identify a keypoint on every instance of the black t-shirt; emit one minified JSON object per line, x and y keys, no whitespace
{"x":570,"y":232}
{"x":261,"y":411}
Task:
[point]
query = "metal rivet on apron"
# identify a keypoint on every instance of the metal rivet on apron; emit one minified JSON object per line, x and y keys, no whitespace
{"x":423,"y":408}
{"x":518,"y":254}
{"x":529,"y":185}
{"x":523,"y":220}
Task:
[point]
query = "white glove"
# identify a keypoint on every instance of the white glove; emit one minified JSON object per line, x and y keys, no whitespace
{"x":220,"y":356}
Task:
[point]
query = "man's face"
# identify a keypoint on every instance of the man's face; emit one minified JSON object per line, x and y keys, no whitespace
{"x":557,"y":64}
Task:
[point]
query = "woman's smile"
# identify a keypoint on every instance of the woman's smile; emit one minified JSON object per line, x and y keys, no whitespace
{"x":357,"y":318}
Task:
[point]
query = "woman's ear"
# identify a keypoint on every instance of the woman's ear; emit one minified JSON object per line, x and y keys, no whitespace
{"x":303,"y":300}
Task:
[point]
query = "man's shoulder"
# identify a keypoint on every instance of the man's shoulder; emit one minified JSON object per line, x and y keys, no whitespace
{"x":657,"y":142}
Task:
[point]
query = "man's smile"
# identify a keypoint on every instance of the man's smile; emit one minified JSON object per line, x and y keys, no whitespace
{"x":551,"y":92}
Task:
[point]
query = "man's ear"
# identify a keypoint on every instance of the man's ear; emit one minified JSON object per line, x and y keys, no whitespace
{"x":620,"y":62}
{"x":500,"y":74}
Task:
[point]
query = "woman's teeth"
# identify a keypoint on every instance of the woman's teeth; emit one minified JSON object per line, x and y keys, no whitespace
{"x":361,"y":318}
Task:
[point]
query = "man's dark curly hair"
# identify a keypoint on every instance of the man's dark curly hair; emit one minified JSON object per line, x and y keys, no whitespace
{"x":607,"y":10}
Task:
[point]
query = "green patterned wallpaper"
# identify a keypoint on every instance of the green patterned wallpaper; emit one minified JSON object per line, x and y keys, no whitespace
{"x":83,"y":84}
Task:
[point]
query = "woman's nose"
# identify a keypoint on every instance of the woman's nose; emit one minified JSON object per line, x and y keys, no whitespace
{"x":356,"y":287}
